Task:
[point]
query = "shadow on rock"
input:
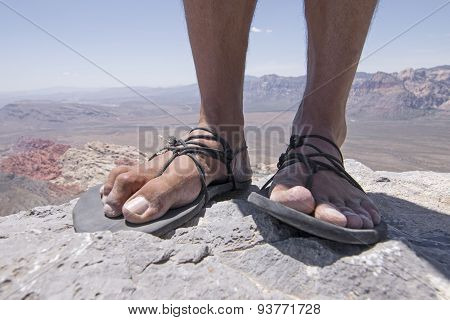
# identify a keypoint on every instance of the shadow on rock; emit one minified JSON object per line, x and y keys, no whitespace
{"x":423,"y":230}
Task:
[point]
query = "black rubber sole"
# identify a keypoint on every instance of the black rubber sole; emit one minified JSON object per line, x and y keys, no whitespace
{"x":88,"y":215}
{"x":319,"y":228}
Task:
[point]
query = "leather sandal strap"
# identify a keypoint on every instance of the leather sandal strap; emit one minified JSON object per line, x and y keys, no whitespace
{"x":297,"y":141}
{"x":190,"y":148}
{"x":310,"y":161}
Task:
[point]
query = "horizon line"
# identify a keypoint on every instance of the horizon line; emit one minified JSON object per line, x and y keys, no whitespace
{"x":192,"y":83}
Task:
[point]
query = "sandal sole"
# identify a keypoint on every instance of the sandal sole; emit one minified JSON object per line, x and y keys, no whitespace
{"x":88,"y":215}
{"x":319,"y":228}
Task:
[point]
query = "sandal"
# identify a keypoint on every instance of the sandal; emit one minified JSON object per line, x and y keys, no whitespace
{"x":306,"y":222}
{"x":88,"y":215}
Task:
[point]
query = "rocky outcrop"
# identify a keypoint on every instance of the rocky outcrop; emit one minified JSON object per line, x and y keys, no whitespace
{"x":25,"y":174}
{"x":38,"y":172}
{"x":89,"y":165}
{"x":411,"y":93}
{"x":430,"y":86}
{"x":408,"y":94}
{"x":233,"y":250}
{"x":34,"y":158}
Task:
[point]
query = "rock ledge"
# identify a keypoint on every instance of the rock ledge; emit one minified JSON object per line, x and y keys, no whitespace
{"x":234,"y":251}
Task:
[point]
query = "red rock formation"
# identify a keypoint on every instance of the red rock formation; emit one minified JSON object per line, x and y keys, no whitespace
{"x":34,"y":158}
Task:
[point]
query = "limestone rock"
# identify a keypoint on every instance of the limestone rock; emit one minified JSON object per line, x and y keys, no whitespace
{"x":90,"y":165}
{"x":233,"y":251}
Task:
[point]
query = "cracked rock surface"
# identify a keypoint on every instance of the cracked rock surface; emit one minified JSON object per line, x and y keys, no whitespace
{"x":233,"y":251}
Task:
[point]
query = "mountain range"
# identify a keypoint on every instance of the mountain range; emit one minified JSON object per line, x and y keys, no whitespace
{"x":37,"y":170}
{"x":411,"y":93}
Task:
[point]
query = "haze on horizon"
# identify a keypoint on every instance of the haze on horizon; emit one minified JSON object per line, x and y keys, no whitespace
{"x":146,"y":44}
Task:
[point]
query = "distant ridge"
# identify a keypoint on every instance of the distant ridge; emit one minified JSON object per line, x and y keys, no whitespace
{"x":411,"y":93}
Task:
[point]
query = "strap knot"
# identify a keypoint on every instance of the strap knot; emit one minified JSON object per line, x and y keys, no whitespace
{"x":281,"y":160}
{"x":190,"y":148}
{"x":296,"y":141}
{"x":310,"y":161}
{"x":172,"y":141}
{"x":229,"y":154}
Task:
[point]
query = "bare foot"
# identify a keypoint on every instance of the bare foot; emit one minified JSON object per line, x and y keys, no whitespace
{"x":331,"y":198}
{"x":142,"y":195}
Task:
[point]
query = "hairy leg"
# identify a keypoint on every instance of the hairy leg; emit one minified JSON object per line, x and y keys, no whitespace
{"x":218,"y":33}
{"x":336,"y":34}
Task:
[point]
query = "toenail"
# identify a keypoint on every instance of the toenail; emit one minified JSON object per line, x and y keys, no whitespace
{"x":107,"y":209}
{"x":137,"y":205}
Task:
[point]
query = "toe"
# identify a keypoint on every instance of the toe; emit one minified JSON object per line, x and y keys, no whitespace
{"x":298,"y":198}
{"x":366,"y":218}
{"x":179,"y":185}
{"x":328,"y":212}
{"x":141,"y":210}
{"x":151,"y":202}
{"x":371,"y":208}
{"x":354,"y":221}
{"x":109,"y":184}
{"x":125,"y":185}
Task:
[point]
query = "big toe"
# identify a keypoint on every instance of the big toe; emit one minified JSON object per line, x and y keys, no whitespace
{"x":151,"y":202}
{"x":327,"y":212}
{"x":298,"y":198}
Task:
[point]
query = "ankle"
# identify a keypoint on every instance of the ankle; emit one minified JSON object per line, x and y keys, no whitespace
{"x":331,"y":127}
{"x":232,"y":134}
{"x":222,"y":112}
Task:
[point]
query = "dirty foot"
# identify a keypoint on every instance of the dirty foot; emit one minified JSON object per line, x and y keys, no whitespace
{"x":331,"y":198}
{"x":142,"y":195}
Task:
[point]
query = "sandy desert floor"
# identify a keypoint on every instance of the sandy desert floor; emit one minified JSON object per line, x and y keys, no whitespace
{"x":382,"y":145}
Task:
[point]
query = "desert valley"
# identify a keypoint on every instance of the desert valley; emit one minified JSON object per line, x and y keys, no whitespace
{"x":54,"y":143}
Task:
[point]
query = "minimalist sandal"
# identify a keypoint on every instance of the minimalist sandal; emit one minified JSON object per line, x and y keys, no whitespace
{"x":88,"y":215}
{"x":306,"y":222}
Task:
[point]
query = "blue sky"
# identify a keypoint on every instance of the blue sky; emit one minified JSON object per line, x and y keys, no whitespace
{"x":145,"y":42}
